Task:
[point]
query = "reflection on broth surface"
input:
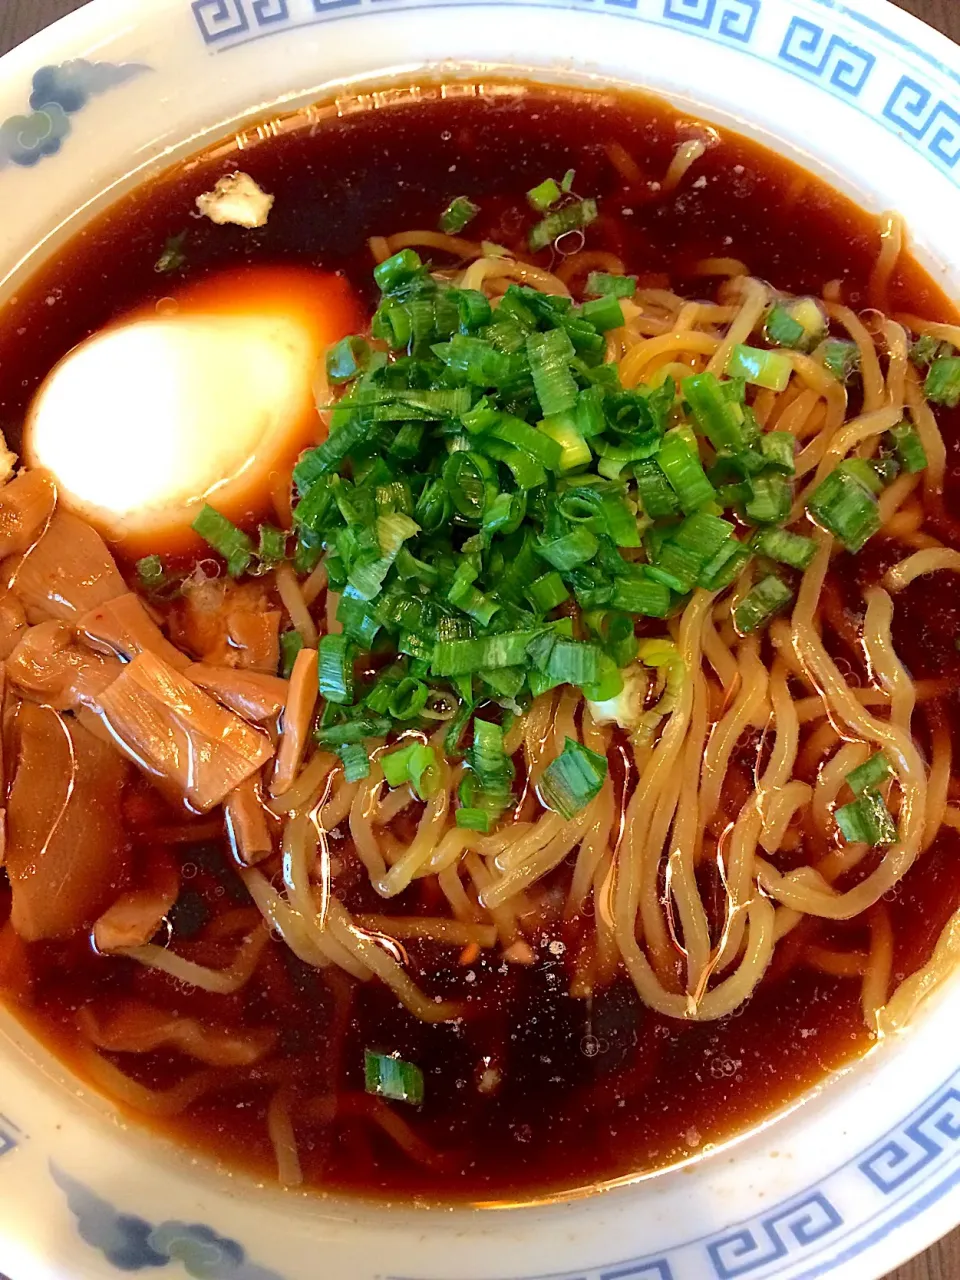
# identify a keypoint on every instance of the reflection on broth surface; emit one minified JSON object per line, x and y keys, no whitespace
{"x":618,"y":809}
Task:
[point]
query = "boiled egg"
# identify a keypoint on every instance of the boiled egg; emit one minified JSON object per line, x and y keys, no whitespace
{"x":205,"y":398}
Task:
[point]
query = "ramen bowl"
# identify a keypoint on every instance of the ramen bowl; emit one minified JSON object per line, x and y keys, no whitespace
{"x":847,"y":1183}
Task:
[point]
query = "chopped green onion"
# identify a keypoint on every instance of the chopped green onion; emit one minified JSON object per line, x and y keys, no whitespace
{"x":718,"y":417}
{"x":457,"y":214}
{"x":356,"y":761}
{"x":391,"y":1077}
{"x":547,"y":591}
{"x":870,"y":774}
{"x":777,"y":448}
{"x":760,"y":604}
{"x":602,"y":284}
{"x":566,"y":182}
{"x":473,"y":820}
{"x":226,"y":539}
{"x":926,"y":349}
{"x":760,"y":368}
{"x":571,"y":550}
{"x":943,"y":381}
{"x":416,"y":764}
{"x":702,"y":534}
{"x":799,"y":323}
{"x":544,"y":195}
{"x":866,"y":820}
{"x":574,"y":450}
{"x":603,"y":313}
{"x":782,"y":329}
{"x":464,"y":657}
{"x":681,"y":465}
{"x":397,"y":271}
{"x":356,"y":730}
{"x":788,"y":548}
{"x":571,"y":781}
{"x":845,"y":506}
{"x":656,"y":497}
{"x":725,"y":567}
{"x":464,"y":595}
{"x":909,"y":448}
{"x":550,"y":355}
{"x":151,"y":573}
{"x":172,"y":258}
{"x":336,"y":669}
{"x":841,"y":357}
{"x":771,"y":496}
{"x":291,"y":642}
{"x":408,"y":699}
{"x":572,"y":217}
{"x":273,"y":546}
{"x":643,"y":596}
{"x":347,"y":359}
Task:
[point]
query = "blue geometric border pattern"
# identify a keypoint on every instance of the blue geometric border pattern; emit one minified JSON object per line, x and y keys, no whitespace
{"x":10,"y":1135}
{"x":733,"y":18}
{"x":806,"y":1237}
{"x":914,"y":107}
{"x":808,"y":47}
{"x":867,"y":72}
{"x":905,"y":1155}
{"x":751,"y":1248}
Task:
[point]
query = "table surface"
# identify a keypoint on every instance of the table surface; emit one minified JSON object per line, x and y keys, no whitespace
{"x":21,"y":18}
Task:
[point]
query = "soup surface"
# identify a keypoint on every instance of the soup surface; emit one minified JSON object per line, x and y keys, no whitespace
{"x":550,"y":1071}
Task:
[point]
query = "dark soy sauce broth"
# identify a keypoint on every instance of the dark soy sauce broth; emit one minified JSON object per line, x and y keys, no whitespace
{"x":590,"y":1090}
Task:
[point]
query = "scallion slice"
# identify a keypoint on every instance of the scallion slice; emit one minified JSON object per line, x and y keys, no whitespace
{"x":474,"y":820}
{"x":572,"y":780}
{"x":760,"y":604}
{"x":572,"y":549}
{"x":572,"y":217}
{"x":347,"y":359}
{"x":273,"y":546}
{"x":226,"y":539}
{"x":547,"y":591}
{"x":642,"y":596}
{"x":545,"y":194}
{"x":550,"y":355}
{"x":846,"y":507}
{"x":416,"y":764}
{"x":760,"y":368}
{"x":601,"y":284}
{"x":788,"y":548}
{"x":388,"y":1076}
{"x":682,"y":467}
{"x":866,"y":820}
{"x":356,"y":761}
{"x":151,"y":573}
{"x":799,"y":323}
{"x":909,"y":448}
{"x":771,"y":496}
{"x":291,"y":642}
{"x":603,"y":313}
{"x":464,"y":657}
{"x":396,"y":271}
{"x":778,"y":449}
{"x":336,"y":669}
{"x":457,"y":214}
{"x":870,"y":774}
{"x":718,"y":417}
{"x":943,"y":381}
{"x":841,"y":357}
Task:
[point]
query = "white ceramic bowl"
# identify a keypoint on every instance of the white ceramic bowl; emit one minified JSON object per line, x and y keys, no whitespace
{"x":857,"y":1178}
